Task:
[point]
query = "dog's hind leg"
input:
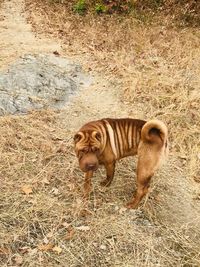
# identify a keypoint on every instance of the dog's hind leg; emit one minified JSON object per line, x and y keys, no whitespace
{"x":147,"y":165}
{"x":148,"y":162}
{"x":143,"y":184}
{"x":110,"y":170}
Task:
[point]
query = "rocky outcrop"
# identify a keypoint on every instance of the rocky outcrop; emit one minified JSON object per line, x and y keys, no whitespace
{"x":41,"y":81}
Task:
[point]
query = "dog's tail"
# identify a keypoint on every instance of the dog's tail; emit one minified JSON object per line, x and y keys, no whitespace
{"x":154,"y":131}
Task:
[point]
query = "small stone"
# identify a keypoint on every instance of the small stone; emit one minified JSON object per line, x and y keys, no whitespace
{"x":45,"y":240}
{"x":103,"y":247}
{"x":55,"y":191}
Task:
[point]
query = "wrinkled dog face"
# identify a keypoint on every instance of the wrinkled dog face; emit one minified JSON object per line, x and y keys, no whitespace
{"x":87,"y":148}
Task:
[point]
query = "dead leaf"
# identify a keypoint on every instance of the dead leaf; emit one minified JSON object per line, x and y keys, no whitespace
{"x":83,"y":228}
{"x":24,"y":249}
{"x":4,"y":250}
{"x":57,"y":249}
{"x":27,"y":189}
{"x":18,"y":260}
{"x":85,"y":213}
{"x":45,"y":247}
{"x":70,"y":233}
{"x":158,"y":197}
{"x":45,"y":181}
{"x":65,"y":224}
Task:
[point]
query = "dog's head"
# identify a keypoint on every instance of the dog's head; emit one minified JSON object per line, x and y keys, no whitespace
{"x":87,"y":148}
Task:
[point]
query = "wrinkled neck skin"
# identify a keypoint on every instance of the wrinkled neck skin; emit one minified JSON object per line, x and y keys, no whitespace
{"x":106,"y":154}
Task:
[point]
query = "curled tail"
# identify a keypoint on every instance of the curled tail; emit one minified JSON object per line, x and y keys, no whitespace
{"x":154,"y":131}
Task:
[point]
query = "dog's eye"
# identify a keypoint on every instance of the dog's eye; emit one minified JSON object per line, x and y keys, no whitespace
{"x":77,"y":137}
{"x":80,"y":154}
{"x":95,"y":149}
{"x":84,"y":150}
{"x":98,"y":136}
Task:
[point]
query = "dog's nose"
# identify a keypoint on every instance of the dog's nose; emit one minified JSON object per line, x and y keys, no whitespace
{"x":91,"y":167}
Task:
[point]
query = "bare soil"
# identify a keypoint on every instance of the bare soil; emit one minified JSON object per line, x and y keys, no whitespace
{"x":17,"y":37}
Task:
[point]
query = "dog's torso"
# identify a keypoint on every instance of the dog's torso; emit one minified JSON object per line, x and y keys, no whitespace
{"x":119,"y":137}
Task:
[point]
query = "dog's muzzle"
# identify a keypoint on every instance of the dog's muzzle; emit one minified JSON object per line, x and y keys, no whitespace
{"x":91,"y":167}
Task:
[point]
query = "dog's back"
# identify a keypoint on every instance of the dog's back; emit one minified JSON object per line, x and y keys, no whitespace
{"x":126,"y":134}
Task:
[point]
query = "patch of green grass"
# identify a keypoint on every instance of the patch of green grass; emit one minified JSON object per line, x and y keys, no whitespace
{"x":80,"y":7}
{"x":100,"y":8}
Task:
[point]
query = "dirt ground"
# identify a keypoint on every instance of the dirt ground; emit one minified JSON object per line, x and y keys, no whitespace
{"x":137,"y":71}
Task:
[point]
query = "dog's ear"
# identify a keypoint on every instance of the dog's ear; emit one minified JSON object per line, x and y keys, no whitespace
{"x":77,"y":137}
{"x":98,"y":136}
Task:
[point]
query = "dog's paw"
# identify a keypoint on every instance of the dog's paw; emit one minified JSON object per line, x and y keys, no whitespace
{"x":131,"y":205}
{"x":105,"y":183}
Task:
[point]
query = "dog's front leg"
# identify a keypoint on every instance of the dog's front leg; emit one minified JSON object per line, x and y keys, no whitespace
{"x":110,"y":170}
{"x":87,"y":184}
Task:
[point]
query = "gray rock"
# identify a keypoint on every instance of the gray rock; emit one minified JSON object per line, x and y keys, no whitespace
{"x":41,"y":81}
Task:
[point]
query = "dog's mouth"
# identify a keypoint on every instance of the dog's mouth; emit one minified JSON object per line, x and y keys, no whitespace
{"x":89,"y":167}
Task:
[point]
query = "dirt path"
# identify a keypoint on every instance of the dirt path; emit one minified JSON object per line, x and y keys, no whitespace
{"x":16,"y":37}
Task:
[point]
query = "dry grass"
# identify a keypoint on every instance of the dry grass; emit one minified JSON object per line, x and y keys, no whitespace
{"x":158,"y":72}
{"x":36,"y":153}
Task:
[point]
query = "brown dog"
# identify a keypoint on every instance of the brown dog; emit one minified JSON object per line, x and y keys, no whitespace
{"x":108,"y":140}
